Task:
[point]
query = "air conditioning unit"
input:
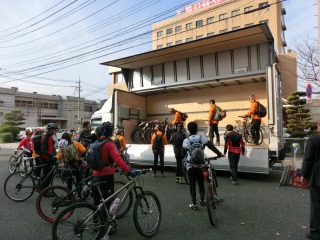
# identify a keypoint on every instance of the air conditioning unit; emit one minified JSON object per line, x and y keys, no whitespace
{"x":240,"y":70}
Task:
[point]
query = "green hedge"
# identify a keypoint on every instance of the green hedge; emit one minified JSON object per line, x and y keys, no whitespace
{"x":6,"y":138}
{"x":10,"y":129}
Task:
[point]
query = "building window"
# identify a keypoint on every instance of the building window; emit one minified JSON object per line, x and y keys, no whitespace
{"x":236,"y":28}
{"x":199,"y":23}
{"x":178,"y":42}
{"x":119,"y":78}
{"x":169,"y":31}
{"x":55,"y":105}
{"x":88,"y":109}
{"x":222,"y":16}
{"x":50,"y":105}
{"x":178,"y":28}
{"x":189,"y":39}
{"x":264,"y":21}
{"x":248,"y":25}
{"x":210,"y":34}
{"x":247,"y":9}
{"x":159,"y":46}
{"x":263,"y":5}
{"x":235,"y":13}
{"x":189,"y":26}
{"x":223,"y":30}
{"x":159,"y":34}
{"x":169,"y":44}
{"x":199,"y":36}
{"x":210,"y":20}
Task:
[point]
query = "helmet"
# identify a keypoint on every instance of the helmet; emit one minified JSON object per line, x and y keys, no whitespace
{"x":63,"y":143}
{"x":107,"y":129}
{"x":52,"y":126}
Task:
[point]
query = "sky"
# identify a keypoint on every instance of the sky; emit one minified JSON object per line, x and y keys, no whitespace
{"x":50,"y":46}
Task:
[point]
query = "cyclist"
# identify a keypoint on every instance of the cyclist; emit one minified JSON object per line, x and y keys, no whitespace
{"x":108,"y":151}
{"x":158,"y":140}
{"x":235,"y":144}
{"x":256,"y":121}
{"x":85,"y":135}
{"x":48,"y":152}
{"x":36,"y":150}
{"x":71,"y":160}
{"x":195,"y":173}
{"x":120,"y":141}
{"x":26,"y":143}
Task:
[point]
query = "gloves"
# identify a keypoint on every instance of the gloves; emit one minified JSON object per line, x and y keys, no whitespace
{"x":133,"y":173}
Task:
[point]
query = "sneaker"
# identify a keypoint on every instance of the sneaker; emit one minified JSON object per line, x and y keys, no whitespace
{"x":181,"y":180}
{"x":235,"y":182}
{"x":161,"y":175}
{"x":202,"y":203}
{"x":177,"y":180}
{"x":193,"y":206}
{"x":231,"y":178}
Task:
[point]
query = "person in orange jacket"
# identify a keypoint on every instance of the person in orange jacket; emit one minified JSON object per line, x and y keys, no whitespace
{"x":255,"y":120}
{"x":158,"y":140}
{"x":177,"y":117}
{"x":212,"y":123}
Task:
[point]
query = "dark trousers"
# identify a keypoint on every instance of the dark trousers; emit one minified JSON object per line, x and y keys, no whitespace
{"x":214,"y":131}
{"x":37,"y":171}
{"x":315,"y":212}
{"x":76,"y":173}
{"x":233,"y":162}
{"x":106,"y":189}
{"x":179,"y":166}
{"x":195,"y":175}
{"x":46,"y":177}
{"x":255,"y":127}
{"x":156,"y":155}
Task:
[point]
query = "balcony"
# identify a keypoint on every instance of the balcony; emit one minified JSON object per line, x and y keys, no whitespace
{"x":284,"y":43}
{"x":283,"y":11}
{"x":284,"y":27}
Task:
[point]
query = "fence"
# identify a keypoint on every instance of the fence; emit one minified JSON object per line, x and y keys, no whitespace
{"x":289,"y":148}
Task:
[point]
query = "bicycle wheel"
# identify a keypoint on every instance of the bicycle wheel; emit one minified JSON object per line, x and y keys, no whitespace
{"x":81,"y":224}
{"x":147,"y":214}
{"x":19,"y":188}
{"x":211,"y":203}
{"x":12,"y":164}
{"x":58,"y":180}
{"x":52,"y":201}
{"x":125,"y":208}
{"x":248,"y":137}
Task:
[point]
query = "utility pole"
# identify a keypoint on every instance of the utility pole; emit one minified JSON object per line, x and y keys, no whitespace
{"x":79,"y":118}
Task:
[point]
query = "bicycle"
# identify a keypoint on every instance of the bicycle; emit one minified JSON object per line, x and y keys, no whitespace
{"x":15,"y":161}
{"x":49,"y":208}
{"x":87,"y":221}
{"x":20,"y":186}
{"x":211,"y":185}
{"x":244,"y":127}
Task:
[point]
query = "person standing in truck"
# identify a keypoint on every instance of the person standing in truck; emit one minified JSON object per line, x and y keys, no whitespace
{"x":177,"y":117}
{"x":255,"y":120}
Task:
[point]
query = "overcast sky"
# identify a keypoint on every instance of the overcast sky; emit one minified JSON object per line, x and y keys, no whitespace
{"x":47,"y":46}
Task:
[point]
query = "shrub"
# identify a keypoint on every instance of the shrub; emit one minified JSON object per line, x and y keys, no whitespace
{"x":6,"y":138}
{"x":10,"y":129}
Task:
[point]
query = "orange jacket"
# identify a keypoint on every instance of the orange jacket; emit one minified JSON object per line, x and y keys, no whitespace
{"x":212,"y":113}
{"x":122,"y":140}
{"x":253,"y":110}
{"x":82,"y":150}
{"x":177,"y":118}
{"x":164,"y":138}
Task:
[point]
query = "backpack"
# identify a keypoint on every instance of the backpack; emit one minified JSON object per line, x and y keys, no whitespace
{"x":220,"y":114}
{"x":94,"y":156}
{"x":117,"y":143}
{"x":70,"y":154}
{"x":196,"y":152}
{"x":157,"y":142}
{"x":37,"y":143}
{"x":184,"y":116}
{"x":262,"y":111}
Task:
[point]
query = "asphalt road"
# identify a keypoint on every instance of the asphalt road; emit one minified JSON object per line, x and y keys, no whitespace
{"x":256,"y":209}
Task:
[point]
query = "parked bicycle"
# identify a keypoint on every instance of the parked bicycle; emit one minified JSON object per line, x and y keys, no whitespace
{"x":211,"y":185}
{"x":49,"y":208}
{"x":87,"y":221}
{"x":20,"y":161}
{"x":244,"y":127}
{"x":20,"y":185}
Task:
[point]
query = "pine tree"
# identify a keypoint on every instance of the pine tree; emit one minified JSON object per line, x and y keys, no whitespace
{"x":14,"y":118}
{"x":299,"y":121}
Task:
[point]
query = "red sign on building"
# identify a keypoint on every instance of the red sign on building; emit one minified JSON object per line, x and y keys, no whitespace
{"x":203,"y":4}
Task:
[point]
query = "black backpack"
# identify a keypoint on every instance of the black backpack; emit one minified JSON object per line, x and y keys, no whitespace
{"x":94,"y":156}
{"x":262,"y":111}
{"x":117,"y":143}
{"x":184,"y":116}
{"x":157,"y":142}
{"x":37,"y":143}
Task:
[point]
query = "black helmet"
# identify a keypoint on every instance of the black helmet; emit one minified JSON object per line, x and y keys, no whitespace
{"x":52,"y":126}
{"x":107,"y":129}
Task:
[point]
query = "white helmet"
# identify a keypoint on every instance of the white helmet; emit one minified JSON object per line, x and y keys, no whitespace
{"x":62,"y":144}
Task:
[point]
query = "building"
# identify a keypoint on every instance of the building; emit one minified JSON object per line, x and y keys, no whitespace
{"x":39,"y":109}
